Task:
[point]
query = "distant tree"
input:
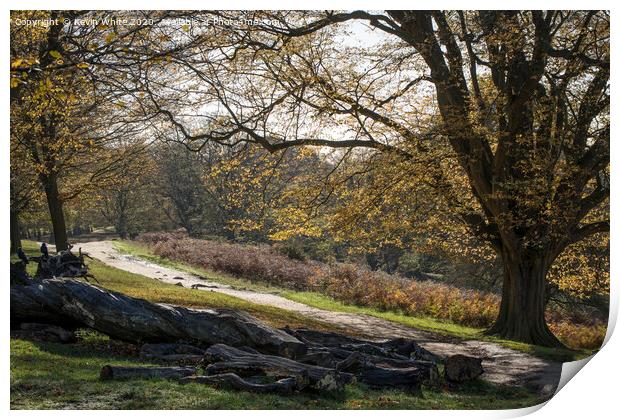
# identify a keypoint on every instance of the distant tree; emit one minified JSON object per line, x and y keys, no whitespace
{"x":179,"y":179}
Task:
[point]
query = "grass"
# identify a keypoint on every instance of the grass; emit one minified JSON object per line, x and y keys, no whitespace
{"x":320,"y":301}
{"x":53,"y":376}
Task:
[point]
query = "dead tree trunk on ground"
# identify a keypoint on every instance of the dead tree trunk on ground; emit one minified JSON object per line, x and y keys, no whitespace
{"x":221,"y":358}
{"x":72,"y":303}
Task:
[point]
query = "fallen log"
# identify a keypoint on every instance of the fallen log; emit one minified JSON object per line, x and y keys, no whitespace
{"x":284,"y":386}
{"x":145,"y":372}
{"x":411,"y":349}
{"x":221,"y":358}
{"x":69,"y":302}
{"x":409,"y":377}
{"x":330,"y":356}
{"x":323,"y":338}
{"x":319,"y":357}
{"x":397,"y":348}
{"x":224,"y":359}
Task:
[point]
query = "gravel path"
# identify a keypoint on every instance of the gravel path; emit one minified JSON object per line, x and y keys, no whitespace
{"x":501,"y":365}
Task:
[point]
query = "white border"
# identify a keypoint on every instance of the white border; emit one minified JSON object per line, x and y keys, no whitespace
{"x":592,"y":395}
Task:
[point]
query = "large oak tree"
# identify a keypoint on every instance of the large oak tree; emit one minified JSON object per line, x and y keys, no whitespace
{"x":521,"y":98}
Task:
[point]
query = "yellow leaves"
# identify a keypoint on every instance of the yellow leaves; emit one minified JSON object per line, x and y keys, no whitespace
{"x":15,"y":82}
{"x":82,"y":65}
{"x":16,"y":63}
{"x":292,"y":222}
{"x":582,"y":270}
{"x":55,"y":54}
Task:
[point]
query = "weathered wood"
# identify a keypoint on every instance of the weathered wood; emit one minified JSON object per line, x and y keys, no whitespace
{"x":285,"y":386}
{"x":221,"y":358}
{"x":355,"y":362}
{"x":323,"y":338}
{"x":372,"y":349}
{"x":398,"y":348}
{"x":66,"y":301}
{"x":180,"y":359}
{"x":411,"y":349}
{"x":338,"y":354}
{"x":145,"y":372}
{"x":460,"y":368}
{"x":319,"y":358}
{"x":64,"y":264}
{"x":165,"y":349}
{"x":410,"y":377}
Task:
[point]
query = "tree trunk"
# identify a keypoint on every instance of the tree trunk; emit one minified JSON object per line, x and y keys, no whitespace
{"x":54,"y":203}
{"x":73,"y":303}
{"x":220,"y":359}
{"x":522,"y":309}
{"x":121,"y":221}
{"x":16,"y":241}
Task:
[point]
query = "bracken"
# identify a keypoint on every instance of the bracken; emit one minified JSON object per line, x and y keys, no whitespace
{"x":360,"y":286}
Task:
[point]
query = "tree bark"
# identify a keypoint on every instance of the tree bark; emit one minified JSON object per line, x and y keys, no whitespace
{"x":16,"y":241}
{"x":522,"y":309}
{"x":73,"y":303}
{"x":54,"y":204}
{"x":172,"y":352}
{"x":145,"y":372}
{"x":284,"y":386}
{"x":221,"y":358}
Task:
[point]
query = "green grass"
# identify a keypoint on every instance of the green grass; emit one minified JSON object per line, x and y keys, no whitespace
{"x":321,"y":301}
{"x":55,"y":376}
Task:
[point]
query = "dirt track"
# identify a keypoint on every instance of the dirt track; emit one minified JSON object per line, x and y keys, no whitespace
{"x":502,"y":365}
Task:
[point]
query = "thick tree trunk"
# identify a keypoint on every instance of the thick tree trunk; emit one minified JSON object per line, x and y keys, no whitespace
{"x":74,"y":303}
{"x":522,"y":310}
{"x":16,"y":241}
{"x":54,"y":204}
